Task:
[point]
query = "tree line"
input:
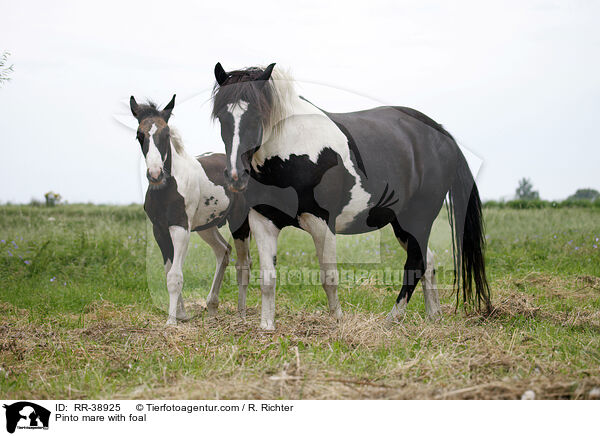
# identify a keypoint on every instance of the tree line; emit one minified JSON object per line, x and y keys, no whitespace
{"x":528,"y":198}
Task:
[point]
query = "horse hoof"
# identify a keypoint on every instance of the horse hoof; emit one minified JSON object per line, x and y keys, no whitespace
{"x":435,"y":316}
{"x":391,"y":321}
{"x":396,"y":315}
{"x":171,"y":322}
{"x":398,"y":311}
{"x":267,"y":326}
{"x":337,"y":313}
{"x":184,"y":317}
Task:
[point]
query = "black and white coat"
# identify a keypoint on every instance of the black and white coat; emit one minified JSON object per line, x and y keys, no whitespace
{"x":188,"y":194}
{"x":346,"y":173}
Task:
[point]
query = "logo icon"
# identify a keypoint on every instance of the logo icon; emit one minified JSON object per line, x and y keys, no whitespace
{"x":26,"y":415}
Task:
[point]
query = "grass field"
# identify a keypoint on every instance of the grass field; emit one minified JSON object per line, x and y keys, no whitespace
{"x":82,"y":295}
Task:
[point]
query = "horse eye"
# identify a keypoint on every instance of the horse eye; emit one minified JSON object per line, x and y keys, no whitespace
{"x":140,"y":137}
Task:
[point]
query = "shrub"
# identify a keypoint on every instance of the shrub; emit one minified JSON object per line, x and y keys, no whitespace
{"x":52,"y":198}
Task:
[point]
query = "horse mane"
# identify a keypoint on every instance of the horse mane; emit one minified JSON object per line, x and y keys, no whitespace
{"x":273,"y":100}
{"x":146,"y":110}
{"x":177,"y":141}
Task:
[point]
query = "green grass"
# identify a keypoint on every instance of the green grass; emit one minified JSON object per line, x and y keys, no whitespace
{"x":82,"y":299}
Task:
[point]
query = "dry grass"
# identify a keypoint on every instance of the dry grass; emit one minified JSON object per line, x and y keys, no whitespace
{"x":309,"y":355}
{"x":79,"y":320}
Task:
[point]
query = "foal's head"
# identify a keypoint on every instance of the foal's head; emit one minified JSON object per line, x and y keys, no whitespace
{"x":242,"y":104}
{"x":155,"y":138}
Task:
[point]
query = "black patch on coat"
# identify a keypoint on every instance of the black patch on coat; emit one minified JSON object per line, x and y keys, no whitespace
{"x":163,"y":239}
{"x":382,"y":214}
{"x":400,"y":233}
{"x":242,"y":232}
{"x":414,"y":268}
{"x":321,"y":189}
{"x":165,"y":207}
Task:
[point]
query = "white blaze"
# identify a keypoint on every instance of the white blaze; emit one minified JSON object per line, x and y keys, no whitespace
{"x":237,"y":110}
{"x":154,"y":161}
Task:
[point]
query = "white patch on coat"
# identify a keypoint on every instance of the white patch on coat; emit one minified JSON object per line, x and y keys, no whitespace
{"x":359,"y":202}
{"x":308,"y":132}
{"x":265,"y":233}
{"x":430,"y":291}
{"x":242,"y":266}
{"x":237,"y":110}
{"x":180,"y":238}
{"x":154,"y":161}
{"x":195,"y":187}
{"x":325,"y":245}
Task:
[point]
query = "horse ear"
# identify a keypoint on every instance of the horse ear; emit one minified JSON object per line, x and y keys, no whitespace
{"x":266,"y":75}
{"x":166,"y":112}
{"x":134,"y":106}
{"x":220,"y":74}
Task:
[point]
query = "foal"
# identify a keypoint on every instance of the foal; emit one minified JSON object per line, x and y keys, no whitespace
{"x":185,"y":195}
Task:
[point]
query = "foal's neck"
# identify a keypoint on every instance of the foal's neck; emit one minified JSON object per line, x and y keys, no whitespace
{"x":178,"y":152}
{"x":182,"y":164}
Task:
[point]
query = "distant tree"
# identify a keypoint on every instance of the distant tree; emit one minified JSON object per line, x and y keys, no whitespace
{"x":525,"y":190}
{"x":5,"y":69}
{"x":585,"y":194}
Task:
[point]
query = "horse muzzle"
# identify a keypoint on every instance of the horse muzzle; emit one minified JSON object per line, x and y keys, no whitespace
{"x":236,"y":181}
{"x":156,"y":180}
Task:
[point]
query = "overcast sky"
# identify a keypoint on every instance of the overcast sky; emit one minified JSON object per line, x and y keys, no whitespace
{"x":517,"y":83}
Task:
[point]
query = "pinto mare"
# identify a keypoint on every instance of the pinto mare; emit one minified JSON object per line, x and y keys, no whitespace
{"x":346,"y":173}
{"x":187,"y":194}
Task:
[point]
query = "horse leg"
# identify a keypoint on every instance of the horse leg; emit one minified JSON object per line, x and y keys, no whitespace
{"x":242,"y":266}
{"x":180,"y":238}
{"x":430,"y":291}
{"x":163,"y":239}
{"x":222,"y":250}
{"x":324,"y":240}
{"x":413,"y":271}
{"x":265,"y":234}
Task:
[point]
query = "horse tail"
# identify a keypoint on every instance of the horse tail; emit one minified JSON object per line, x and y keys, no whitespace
{"x":468,"y":238}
